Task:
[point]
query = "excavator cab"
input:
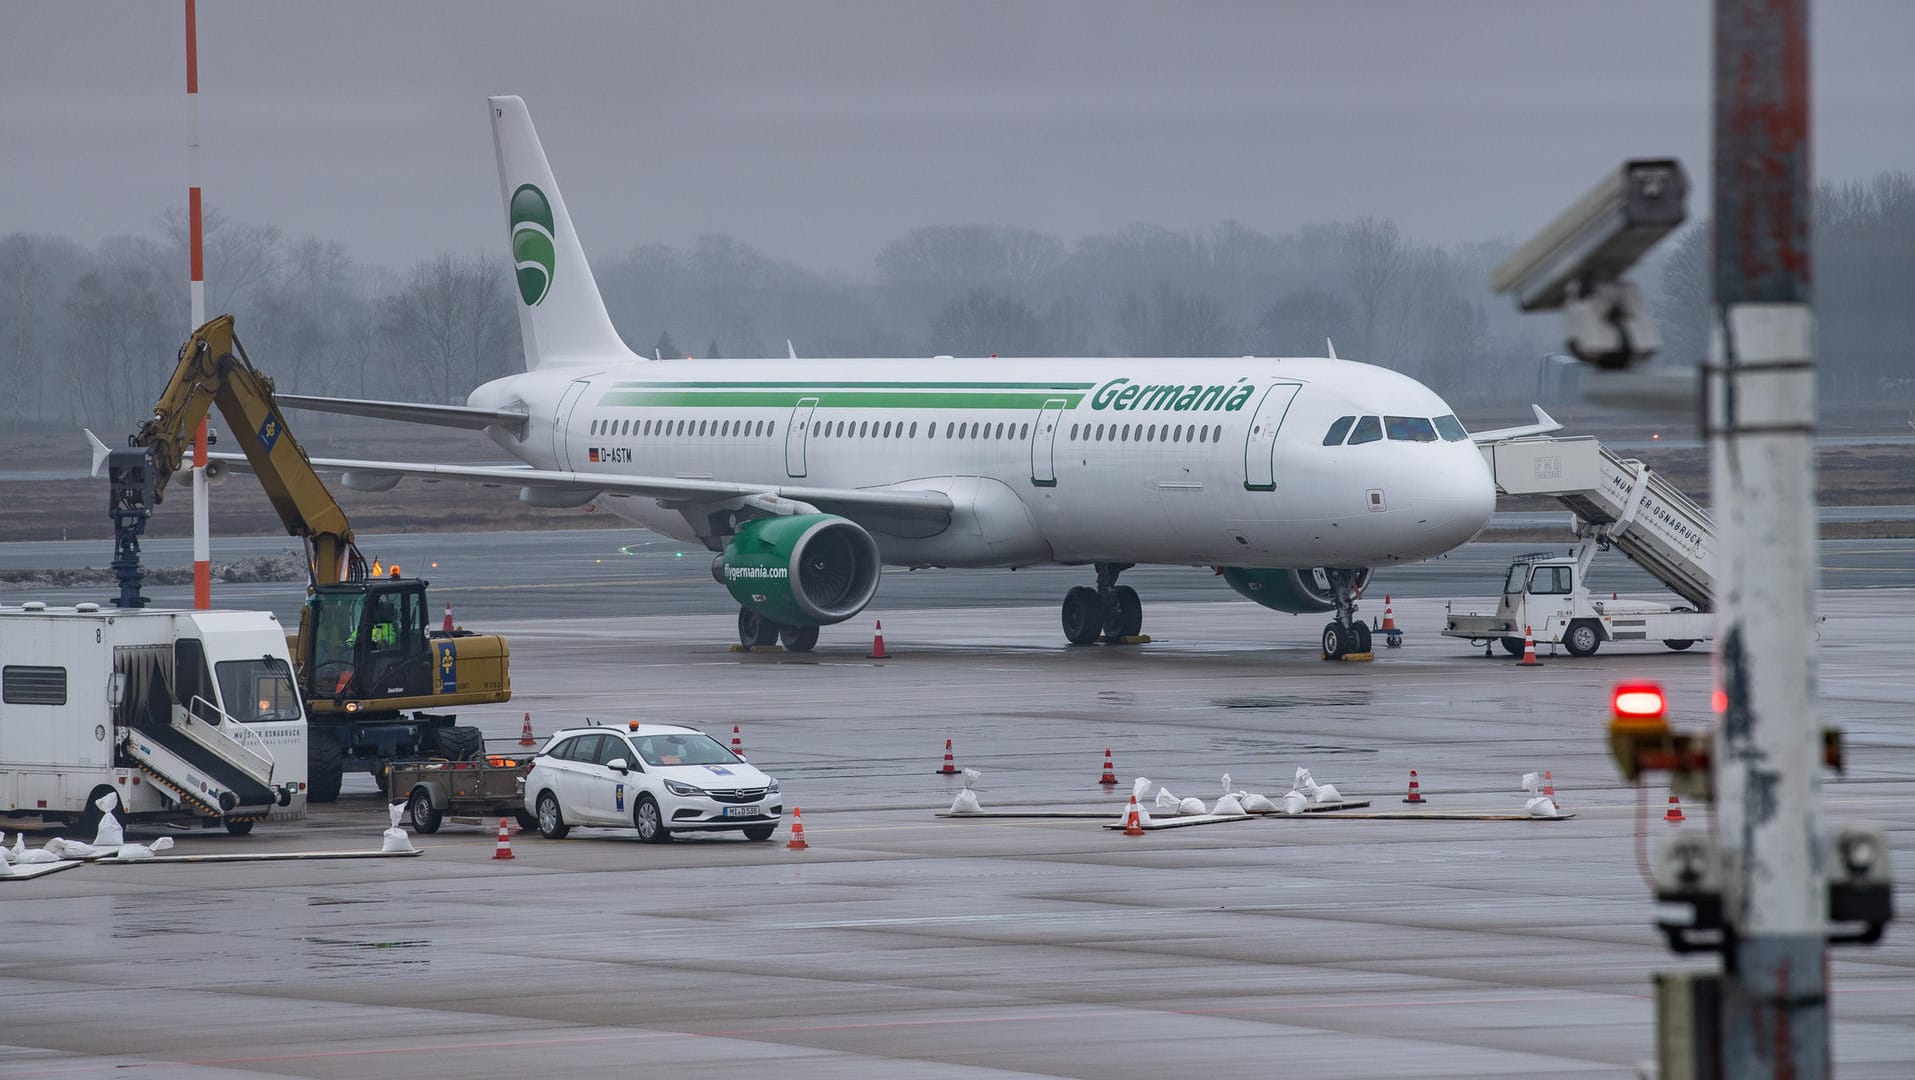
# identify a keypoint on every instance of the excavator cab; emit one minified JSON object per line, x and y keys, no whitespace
{"x":369,"y":640}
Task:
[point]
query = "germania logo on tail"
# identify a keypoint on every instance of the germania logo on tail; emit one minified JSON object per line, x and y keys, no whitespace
{"x":533,"y":255}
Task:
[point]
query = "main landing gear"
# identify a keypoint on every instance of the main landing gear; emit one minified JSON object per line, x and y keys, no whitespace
{"x":1346,"y":635}
{"x":754,"y":630}
{"x":1110,"y":611}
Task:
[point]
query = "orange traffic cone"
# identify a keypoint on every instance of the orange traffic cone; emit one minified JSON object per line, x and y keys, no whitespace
{"x":950,"y":763}
{"x":1133,"y":824}
{"x":877,"y":643}
{"x":1549,"y":790}
{"x":737,"y":744}
{"x":1416,"y":794}
{"x":447,"y":628}
{"x":525,"y":733}
{"x":1674,"y":815}
{"x":1389,"y":618}
{"x":797,"y":833}
{"x":1529,"y":649}
{"x":504,"y":850}
{"x":1110,"y":771}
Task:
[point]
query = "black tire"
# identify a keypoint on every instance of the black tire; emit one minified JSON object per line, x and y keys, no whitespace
{"x":754,"y":629}
{"x":325,"y":765}
{"x":1335,"y":641}
{"x":760,"y":832}
{"x":551,"y":822}
{"x":1363,"y":639}
{"x":1678,"y":644}
{"x":1582,"y":638}
{"x":460,"y":743}
{"x":91,"y":817}
{"x":425,"y":817}
{"x":1130,"y":612}
{"x":526,"y":821}
{"x":798,"y":638}
{"x":650,"y":821}
{"x":1513,"y":646}
{"x":1083,"y":616}
{"x":239,"y":828}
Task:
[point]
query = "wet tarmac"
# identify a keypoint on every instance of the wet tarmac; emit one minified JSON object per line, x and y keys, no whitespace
{"x":905,"y":945}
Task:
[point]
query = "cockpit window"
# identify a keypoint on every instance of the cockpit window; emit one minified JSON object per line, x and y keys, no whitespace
{"x":1338,"y":430}
{"x":1409,"y":429}
{"x":1451,"y":429}
{"x":1368,"y":429}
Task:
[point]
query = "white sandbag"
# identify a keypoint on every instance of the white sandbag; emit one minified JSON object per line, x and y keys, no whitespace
{"x":1305,"y":782}
{"x":1326,"y":793}
{"x":395,"y":837}
{"x":1143,"y":815}
{"x":966,"y":803}
{"x":1295,"y":803}
{"x":111,"y":834}
{"x":1533,"y":782}
{"x":1542,"y":806}
{"x":1228,"y":806}
{"x":1254,"y":803}
{"x":63,"y":848}
{"x":34,"y":855}
{"x":19,"y":845}
{"x":5,"y":861}
{"x":130,"y":852}
{"x":1140,"y":787}
{"x":1165,"y":800}
{"x":1190,"y":804}
{"x":971,"y":776}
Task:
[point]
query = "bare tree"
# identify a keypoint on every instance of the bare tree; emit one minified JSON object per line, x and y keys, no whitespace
{"x":1375,"y":253}
{"x":451,"y":323}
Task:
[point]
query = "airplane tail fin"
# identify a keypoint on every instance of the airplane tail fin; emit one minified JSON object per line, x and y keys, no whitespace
{"x":562,"y":317}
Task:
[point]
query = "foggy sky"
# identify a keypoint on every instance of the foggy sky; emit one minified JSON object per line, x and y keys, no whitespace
{"x":819,"y":132}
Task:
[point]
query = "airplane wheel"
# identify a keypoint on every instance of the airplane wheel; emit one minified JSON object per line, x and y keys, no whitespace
{"x":798,"y":638}
{"x":1334,"y":645}
{"x":1363,"y":638}
{"x":1130,"y":612}
{"x":1083,"y":615}
{"x":754,"y":629}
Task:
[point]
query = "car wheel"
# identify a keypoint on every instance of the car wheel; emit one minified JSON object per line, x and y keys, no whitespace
{"x":1679,"y":644}
{"x":425,"y":816}
{"x":238,"y":828}
{"x":551,"y":823}
{"x":649,"y":821}
{"x":1582,"y":639}
{"x":1513,"y":646}
{"x":526,"y":821}
{"x":760,"y":832}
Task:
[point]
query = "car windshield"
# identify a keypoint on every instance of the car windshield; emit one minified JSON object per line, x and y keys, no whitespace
{"x":682,"y":748}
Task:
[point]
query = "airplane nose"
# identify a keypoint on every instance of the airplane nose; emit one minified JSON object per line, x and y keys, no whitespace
{"x":1457,"y":501}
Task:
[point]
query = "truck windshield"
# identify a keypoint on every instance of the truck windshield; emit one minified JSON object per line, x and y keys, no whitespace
{"x":1513,"y":584}
{"x":335,"y":621}
{"x":256,"y":691}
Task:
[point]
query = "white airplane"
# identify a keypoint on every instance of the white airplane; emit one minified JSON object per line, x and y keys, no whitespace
{"x":1294,"y":476}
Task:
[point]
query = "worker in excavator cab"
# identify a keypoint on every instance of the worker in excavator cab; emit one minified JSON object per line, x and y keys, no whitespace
{"x":385,"y":625}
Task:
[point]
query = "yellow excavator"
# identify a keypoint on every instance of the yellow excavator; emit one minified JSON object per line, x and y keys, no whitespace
{"x":366,"y":654}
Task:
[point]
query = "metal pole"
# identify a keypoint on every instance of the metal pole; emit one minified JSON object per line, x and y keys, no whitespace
{"x":1761,"y":402}
{"x":202,"y":546}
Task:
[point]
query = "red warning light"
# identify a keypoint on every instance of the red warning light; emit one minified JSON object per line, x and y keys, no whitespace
{"x":1639,"y":701}
{"x":1718,"y":700}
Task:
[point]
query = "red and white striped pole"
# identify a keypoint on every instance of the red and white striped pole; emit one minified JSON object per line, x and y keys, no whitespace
{"x":202,"y":547}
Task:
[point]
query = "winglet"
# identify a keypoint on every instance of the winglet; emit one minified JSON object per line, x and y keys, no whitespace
{"x":792,"y":351}
{"x":1544,"y":424}
{"x":1332,"y":346}
{"x":100,"y":451}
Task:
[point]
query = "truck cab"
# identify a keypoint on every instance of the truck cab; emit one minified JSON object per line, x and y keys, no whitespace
{"x":1546,"y":595}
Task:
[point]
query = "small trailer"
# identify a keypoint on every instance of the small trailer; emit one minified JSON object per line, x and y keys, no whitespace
{"x":1545,"y":594}
{"x":189,"y":716}
{"x":493,"y":786}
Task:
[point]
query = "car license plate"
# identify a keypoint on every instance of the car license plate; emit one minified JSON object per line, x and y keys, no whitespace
{"x":742,"y":811}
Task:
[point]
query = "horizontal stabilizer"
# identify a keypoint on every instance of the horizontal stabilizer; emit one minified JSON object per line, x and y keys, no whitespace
{"x":409,"y":412}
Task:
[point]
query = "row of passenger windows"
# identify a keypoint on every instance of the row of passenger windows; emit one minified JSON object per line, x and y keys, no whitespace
{"x":823,"y":429}
{"x":1198,"y":433}
{"x":723,"y":429}
{"x":1367,"y":429}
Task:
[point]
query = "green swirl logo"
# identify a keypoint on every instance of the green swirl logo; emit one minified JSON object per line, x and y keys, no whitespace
{"x":533,"y":256}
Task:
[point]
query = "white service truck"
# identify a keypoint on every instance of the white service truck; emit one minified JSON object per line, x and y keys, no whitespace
{"x":187,"y":715}
{"x":1546,"y":594}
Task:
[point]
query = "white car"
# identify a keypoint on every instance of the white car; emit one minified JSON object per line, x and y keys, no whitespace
{"x":656,"y":778}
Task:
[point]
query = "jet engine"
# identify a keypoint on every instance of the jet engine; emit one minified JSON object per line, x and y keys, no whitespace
{"x":1298,"y":592}
{"x":800,"y":569}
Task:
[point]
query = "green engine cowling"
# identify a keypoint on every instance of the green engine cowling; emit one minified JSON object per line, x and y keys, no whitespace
{"x":1299,"y":592}
{"x":800,"y":570}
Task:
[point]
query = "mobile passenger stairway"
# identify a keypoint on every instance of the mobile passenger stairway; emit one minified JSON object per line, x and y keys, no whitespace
{"x":206,"y":760}
{"x":1618,"y":501}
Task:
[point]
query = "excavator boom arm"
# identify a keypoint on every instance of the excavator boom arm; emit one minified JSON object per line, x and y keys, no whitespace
{"x":213,"y":371}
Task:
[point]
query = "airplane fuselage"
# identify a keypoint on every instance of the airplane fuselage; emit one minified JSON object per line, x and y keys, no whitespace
{"x":1199,"y":462}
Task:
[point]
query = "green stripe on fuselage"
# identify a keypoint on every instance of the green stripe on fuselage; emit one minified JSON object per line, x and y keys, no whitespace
{"x":816,"y":384}
{"x":839,"y":399}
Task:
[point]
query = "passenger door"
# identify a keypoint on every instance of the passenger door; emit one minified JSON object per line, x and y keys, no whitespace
{"x":610,"y":791}
{"x":1260,"y":444}
{"x":578,"y":761}
{"x":796,"y":432}
{"x":1043,"y":442}
{"x":561,"y":443}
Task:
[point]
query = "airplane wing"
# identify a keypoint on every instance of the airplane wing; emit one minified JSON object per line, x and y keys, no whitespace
{"x":891,"y":510}
{"x":411,"y":412}
{"x":1544,"y":424}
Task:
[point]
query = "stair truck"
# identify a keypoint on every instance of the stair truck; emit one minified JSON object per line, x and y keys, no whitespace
{"x":368,"y":665}
{"x":187,"y":715}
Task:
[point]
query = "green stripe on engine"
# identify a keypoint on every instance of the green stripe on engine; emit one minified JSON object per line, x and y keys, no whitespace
{"x":838,"y":399}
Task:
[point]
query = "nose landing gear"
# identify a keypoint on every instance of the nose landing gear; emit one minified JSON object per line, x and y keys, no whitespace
{"x":1111,"y":611}
{"x":1346,"y":636}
